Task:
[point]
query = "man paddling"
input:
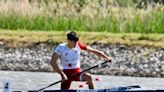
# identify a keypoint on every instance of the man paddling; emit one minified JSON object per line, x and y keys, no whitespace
{"x":69,"y":55}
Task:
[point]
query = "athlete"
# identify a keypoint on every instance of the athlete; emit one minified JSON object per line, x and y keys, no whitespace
{"x":69,"y":55}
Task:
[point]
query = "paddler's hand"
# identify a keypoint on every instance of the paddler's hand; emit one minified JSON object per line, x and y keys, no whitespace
{"x":64,"y":77}
{"x":109,"y":59}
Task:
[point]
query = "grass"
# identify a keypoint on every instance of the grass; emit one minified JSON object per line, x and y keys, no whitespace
{"x":19,"y":38}
{"x":27,"y":22}
{"x":89,"y":16}
{"x":149,"y":24}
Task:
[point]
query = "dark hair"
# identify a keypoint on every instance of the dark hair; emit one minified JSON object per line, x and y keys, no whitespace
{"x":72,"y":36}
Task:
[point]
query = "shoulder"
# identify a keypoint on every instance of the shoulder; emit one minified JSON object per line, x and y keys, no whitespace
{"x":62,"y":45}
{"x":59,"y":49}
{"x":82,"y":45}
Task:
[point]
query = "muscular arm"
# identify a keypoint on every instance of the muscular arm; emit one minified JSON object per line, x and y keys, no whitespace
{"x":98,"y":53}
{"x":54,"y":64}
{"x":56,"y":68}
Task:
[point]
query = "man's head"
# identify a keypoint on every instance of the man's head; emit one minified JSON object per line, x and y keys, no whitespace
{"x":72,"y":36}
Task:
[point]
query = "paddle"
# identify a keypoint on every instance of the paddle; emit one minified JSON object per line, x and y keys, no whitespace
{"x":75,"y":74}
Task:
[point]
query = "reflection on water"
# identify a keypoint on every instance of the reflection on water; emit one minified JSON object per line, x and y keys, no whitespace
{"x":24,"y":81}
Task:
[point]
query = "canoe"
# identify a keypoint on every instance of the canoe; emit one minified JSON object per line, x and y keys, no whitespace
{"x":120,"y":89}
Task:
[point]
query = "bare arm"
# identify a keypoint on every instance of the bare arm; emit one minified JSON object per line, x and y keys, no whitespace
{"x":55,"y":66}
{"x":98,"y":53}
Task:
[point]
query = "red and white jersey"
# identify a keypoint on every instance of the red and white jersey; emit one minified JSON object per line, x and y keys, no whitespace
{"x":70,"y":58}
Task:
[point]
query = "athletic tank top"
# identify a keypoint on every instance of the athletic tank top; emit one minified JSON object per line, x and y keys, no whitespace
{"x":70,"y":58}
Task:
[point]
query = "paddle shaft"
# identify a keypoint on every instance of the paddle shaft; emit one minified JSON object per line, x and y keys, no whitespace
{"x":49,"y":85}
{"x":74,"y":74}
{"x":95,"y":66}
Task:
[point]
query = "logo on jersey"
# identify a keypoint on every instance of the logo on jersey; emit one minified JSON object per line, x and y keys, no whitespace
{"x":69,"y":65}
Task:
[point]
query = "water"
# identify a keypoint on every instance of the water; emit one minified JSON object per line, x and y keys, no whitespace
{"x":24,"y":81}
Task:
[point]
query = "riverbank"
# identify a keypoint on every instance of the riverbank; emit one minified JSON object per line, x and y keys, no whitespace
{"x":134,"y":54}
{"x":30,"y":38}
{"x":129,"y":61}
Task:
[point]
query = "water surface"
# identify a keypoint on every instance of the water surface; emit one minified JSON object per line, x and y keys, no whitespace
{"x":24,"y":81}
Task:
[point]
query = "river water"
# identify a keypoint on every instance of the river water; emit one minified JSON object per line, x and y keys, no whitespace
{"x":24,"y":81}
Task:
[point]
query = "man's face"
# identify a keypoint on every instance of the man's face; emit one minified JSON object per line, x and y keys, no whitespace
{"x":71,"y":41}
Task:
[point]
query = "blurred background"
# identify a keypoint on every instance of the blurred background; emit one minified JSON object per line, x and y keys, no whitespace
{"x":130,"y":31}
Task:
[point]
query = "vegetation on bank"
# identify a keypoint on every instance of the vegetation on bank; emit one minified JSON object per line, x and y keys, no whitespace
{"x":81,"y":15}
{"x":25,"y":22}
{"x":23,"y":38}
{"x":152,"y":23}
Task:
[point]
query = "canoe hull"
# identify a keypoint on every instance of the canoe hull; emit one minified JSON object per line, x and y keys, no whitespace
{"x":95,"y":90}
